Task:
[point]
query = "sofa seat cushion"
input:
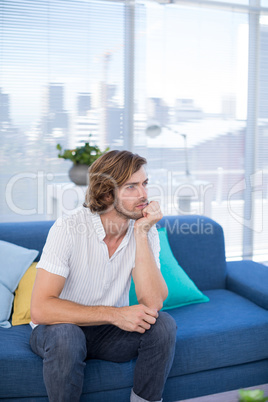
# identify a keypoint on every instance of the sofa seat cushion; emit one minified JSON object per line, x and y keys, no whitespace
{"x":228,"y":331}
{"x":210,"y":335}
{"x":21,"y":371}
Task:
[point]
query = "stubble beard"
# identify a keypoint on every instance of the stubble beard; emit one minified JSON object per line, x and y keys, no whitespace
{"x":123,"y":213}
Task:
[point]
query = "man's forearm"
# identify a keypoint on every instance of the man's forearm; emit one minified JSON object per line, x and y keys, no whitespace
{"x":151,"y":289}
{"x":57,"y":311}
{"x":129,"y":318}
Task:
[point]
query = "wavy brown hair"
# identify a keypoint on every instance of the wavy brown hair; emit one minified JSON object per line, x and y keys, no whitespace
{"x":108,"y":172}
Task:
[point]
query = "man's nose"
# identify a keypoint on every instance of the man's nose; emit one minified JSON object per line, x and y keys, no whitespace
{"x":143,"y":193}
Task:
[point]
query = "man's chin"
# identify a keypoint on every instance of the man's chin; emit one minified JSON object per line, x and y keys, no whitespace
{"x":138,"y":215}
{"x":135,"y":215}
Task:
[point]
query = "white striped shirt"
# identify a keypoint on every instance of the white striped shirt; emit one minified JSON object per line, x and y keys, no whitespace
{"x":75,"y":249}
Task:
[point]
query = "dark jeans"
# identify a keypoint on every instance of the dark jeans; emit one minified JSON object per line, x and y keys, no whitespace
{"x":65,"y":347}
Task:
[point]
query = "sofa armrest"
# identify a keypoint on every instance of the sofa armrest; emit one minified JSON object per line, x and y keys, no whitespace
{"x":248,"y":279}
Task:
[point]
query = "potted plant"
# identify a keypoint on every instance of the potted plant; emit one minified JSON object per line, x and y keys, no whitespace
{"x":82,"y":157}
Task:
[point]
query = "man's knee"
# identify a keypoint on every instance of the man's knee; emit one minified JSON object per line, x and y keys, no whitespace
{"x":64,"y":348}
{"x":65,"y":340}
{"x":165,"y":329}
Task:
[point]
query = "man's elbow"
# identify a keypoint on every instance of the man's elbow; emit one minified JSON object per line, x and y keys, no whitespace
{"x":165,"y":292}
{"x":159,"y":302}
{"x":37,"y":315}
{"x":34,"y":315}
{"x":158,"y":306}
{"x":155,"y":303}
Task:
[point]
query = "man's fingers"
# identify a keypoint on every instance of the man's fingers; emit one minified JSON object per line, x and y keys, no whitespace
{"x":152,"y":212}
{"x":150,"y":319}
{"x":137,"y":318}
{"x":150,"y":311}
{"x":145,"y":325}
{"x":150,"y":315}
{"x":152,"y":207}
{"x":140,"y":330}
{"x":146,"y":317}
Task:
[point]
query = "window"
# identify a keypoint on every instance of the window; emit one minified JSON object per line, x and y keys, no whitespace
{"x":196,"y":89}
{"x":61,"y":81}
{"x":168,"y":80}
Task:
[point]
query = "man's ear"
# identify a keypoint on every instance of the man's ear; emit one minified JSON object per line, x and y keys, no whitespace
{"x":109,"y":197}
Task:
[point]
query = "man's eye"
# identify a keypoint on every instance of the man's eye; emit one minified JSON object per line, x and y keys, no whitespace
{"x":130,"y":187}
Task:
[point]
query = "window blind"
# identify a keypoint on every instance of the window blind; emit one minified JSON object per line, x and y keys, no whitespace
{"x":61,"y":80}
{"x":260,"y":240}
{"x":63,"y":76}
{"x":196,"y":90}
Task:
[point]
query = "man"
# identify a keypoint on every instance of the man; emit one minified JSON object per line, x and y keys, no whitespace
{"x":80,"y":298}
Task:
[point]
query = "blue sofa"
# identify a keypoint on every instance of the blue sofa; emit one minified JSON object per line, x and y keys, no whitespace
{"x":221,"y":344}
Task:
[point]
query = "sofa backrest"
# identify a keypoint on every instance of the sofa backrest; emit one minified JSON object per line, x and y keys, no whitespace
{"x":197,"y":243}
{"x":26,"y":234}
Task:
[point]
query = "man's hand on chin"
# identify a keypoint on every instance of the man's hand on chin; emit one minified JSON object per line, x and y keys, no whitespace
{"x":151,"y":215}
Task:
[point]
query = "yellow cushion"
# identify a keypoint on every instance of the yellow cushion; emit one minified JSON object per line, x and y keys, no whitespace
{"x":22,"y":300}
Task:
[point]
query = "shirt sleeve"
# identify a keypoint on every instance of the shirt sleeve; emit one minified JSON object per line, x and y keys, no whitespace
{"x":57,"y":249}
{"x":153,"y":238}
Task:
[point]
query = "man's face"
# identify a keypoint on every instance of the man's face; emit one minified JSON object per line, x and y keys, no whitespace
{"x":131,"y":197}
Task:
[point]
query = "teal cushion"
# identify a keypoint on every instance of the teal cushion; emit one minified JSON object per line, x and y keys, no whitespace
{"x":181,"y":289}
{"x":14,"y":261}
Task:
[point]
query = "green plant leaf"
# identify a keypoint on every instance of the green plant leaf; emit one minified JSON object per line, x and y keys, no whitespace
{"x":255,"y":395}
{"x":86,"y":154}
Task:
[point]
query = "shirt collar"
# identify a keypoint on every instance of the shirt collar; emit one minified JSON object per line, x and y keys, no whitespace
{"x":98,"y":226}
{"x":99,"y":229}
